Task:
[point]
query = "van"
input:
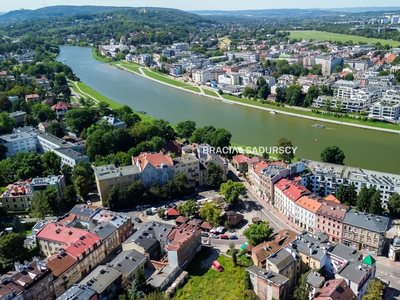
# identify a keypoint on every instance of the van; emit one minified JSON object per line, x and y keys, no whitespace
{"x":217,"y":266}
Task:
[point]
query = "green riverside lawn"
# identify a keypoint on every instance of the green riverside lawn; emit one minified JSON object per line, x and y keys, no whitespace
{"x":210,"y":93}
{"x":337,"y":37}
{"x":130,"y":66}
{"x":211,"y":284}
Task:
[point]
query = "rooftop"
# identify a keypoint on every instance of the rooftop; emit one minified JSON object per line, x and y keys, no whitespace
{"x":241,"y":158}
{"x":104,"y":230}
{"x":335,"y":289}
{"x":72,"y":154}
{"x":127,"y":261}
{"x":355,"y":271}
{"x":18,"y":189}
{"x":16,"y":137}
{"x":160,"y":276}
{"x":78,"y":292}
{"x":281,"y":258}
{"x":366,"y":221}
{"x":333,"y":209}
{"x":312,"y":244}
{"x":266,"y":275}
{"x":181,"y":235}
{"x":60,"y":234}
{"x":82,"y":244}
{"x":157,"y":160}
{"x":59,"y":263}
{"x":86,"y":211}
{"x":111,"y":171}
{"x":184,"y":159}
{"x":28,"y":272}
{"x":49,"y":180}
{"x":310,"y":202}
{"x":101,"y":278}
{"x":345,"y":252}
{"x":315,"y":279}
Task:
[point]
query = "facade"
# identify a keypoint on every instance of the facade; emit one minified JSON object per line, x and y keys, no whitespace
{"x":154,"y":167}
{"x":364,"y":231}
{"x":240,"y":162}
{"x":48,"y":142}
{"x":110,"y":176}
{"x":70,"y":157}
{"x":39,"y":184}
{"x":328,"y":63}
{"x":305,"y":210}
{"x":19,"y":142}
{"x":65,"y":271}
{"x":17,"y":196}
{"x":330,"y":217}
{"x":61,"y":109}
{"x":268,"y":285}
{"x":190,"y":166}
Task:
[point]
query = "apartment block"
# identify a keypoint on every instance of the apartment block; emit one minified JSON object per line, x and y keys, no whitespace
{"x":154,"y":167}
{"x":330,"y":217}
{"x":17,"y":196}
{"x":190,"y":166}
{"x":19,"y":142}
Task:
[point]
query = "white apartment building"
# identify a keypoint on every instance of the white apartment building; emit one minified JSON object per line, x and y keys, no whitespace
{"x":201,"y":76}
{"x":19,"y":142}
{"x":69,"y":156}
{"x":388,"y":107}
{"x":305,"y":209}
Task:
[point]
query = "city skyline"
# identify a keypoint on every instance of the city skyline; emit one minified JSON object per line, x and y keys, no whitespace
{"x":204,"y":5}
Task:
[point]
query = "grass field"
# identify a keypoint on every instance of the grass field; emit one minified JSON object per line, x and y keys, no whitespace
{"x":210,"y":284}
{"x":224,"y":42}
{"x":210,"y":93}
{"x":193,"y":88}
{"x":165,"y":79}
{"x":99,"y":57}
{"x":130,"y":66}
{"x":327,"y":36}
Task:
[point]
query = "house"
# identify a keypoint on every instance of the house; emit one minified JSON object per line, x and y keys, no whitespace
{"x":181,"y":220}
{"x":109,"y":236}
{"x":32,"y":98}
{"x":61,"y":109}
{"x":104,"y":280}
{"x":232,"y":218}
{"x":305,"y":210}
{"x":364,"y":231}
{"x":190,"y":166}
{"x":154,"y":167}
{"x":330,"y":217}
{"x":34,"y":278}
{"x":128,"y":262}
{"x":79,"y":292}
{"x":17,"y":196}
{"x":123,"y":223}
{"x":116,"y":123}
{"x":30,"y":241}
{"x":84,"y":214}
{"x":316,"y":281}
{"x":240,"y":162}
{"x":172,"y":147}
{"x":165,"y":276}
{"x":19,"y":116}
{"x":64,"y":268}
{"x":183,"y":243}
{"x":338,"y":257}
{"x":335,"y":289}
{"x":172,"y":213}
{"x":268,"y":285}
{"x":110,"y":176}
{"x":261,"y":252}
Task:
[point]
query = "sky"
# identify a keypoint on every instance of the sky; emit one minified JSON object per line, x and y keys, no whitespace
{"x":198,"y":5}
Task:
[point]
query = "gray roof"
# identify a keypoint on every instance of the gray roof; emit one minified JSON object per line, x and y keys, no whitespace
{"x":53,"y":139}
{"x":23,"y":129}
{"x":345,"y":252}
{"x":366,"y":221}
{"x":266,"y":275}
{"x":184,"y":159}
{"x":104,"y":230}
{"x":75,"y":155}
{"x":112,"y":120}
{"x":49,"y":180}
{"x":159,"y":277}
{"x":312,"y":244}
{"x":84,"y":210}
{"x":111,"y":171}
{"x":281,"y":258}
{"x":355,"y":271}
{"x":78,"y":292}
{"x":17,"y":114}
{"x":14,"y":137}
{"x":315,"y":279}
{"x":127,"y":261}
{"x":101,"y":278}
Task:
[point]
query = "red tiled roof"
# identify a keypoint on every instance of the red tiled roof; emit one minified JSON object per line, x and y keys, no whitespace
{"x":181,"y":219}
{"x":332,"y":198}
{"x":309,"y":203}
{"x":58,"y":264}
{"x":241,"y":158}
{"x":155,"y":159}
{"x":258,"y":167}
{"x":172,"y":212}
{"x":180,"y":235}
{"x":335,"y":289}
{"x":60,"y":105}
{"x":60,"y":234}
{"x":31,"y":96}
{"x":291,"y":190}
{"x":206,"y":225}
{"x":333,"y":209}
{"x":82,"y":244}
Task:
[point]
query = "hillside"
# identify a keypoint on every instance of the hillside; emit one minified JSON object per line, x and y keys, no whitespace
{"x":52,"y":11}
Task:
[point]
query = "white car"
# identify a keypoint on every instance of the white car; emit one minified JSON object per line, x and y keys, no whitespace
{"x":206,"y":242}
{"x":89,"y":203}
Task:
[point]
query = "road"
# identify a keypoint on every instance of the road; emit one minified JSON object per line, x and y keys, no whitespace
{"x":389,"y":275}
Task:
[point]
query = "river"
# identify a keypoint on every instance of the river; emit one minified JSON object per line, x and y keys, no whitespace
{"x":363,"y":148}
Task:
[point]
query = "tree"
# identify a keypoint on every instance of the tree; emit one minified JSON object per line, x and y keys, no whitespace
{"x":69,"y":197}
{"x":249,"y":92}
{"x":185,"y":129}
{"x":303,"y":288}
{"x":293,"y":95}
{"x":161,"y":212}
{"x":233,"y":253}
{"x":56,"y":129}
{"x":181,"y":183}
{"x":30,"y":120}
{"x":78,"y":119}
{"x":364,"y":198}
{"x":5,"y":103}
{"x":394,"y":204}
{"x":312,"y":93}
{"x":338,"y":69}
{"x":349,"y":77}
{"x":333,"y":155}
{"x":12,"y":249}
{"x":43,"y":112}
{"x":40,"y":206}
{"x":265,"y":155}
{"x":3,"y":151}
{"x":231,"y":191}
{"x":81,"y":186}
{"x":261,"y":82}
{"x":211,"y":211}
{"x":220,"y":138}
{"x":188,"y":208}
{"x":51,"y":164}
{"x":264,"y":92}
{"x":7,"y":123}
{"x":17,"y":227}
{"x":202,"y":135}
{"x":376,"y":204}
{"x":351,"y":194}
{"x":375,"y":290}
{"x":214,"y":175}
{"x":258,"y":232}
{"x":286,"y":152}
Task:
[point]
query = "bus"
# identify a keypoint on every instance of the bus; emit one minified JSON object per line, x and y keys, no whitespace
{"x":217,"y":266}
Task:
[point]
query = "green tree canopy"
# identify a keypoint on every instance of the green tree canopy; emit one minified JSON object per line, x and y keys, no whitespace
{"x":185,"y":129}
{"x":303,"y":289}
{"x":12,"y":249}
{"x":43,"y":112}
{"x":214,"y":175}
{"x":188,"y":208}
{"x":7,"y":123}
{"x":258,"y":233}
{"x":349,"y":77}
{"x":394,"y":204}
{"x":333,"y":155}
{"x":211,"y":211}
{"x":41,"y":206}
{"x":231,"y":191}
{"x":288,"y":153}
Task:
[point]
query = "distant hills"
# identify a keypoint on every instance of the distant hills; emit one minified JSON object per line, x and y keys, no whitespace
{"x":52,"y":11}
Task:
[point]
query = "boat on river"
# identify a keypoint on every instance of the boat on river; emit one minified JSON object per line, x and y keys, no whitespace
{"x":273,"y":112}
{"x":141,"y":112}
{"x":318,"y":126}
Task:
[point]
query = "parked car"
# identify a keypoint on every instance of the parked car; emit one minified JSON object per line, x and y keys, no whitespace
{"x":89,"y":202}
{"x":138,"y":207}
{"x":214,"y":236}
{"x":204,"y":234}
{"x":233,"y":237}
{"x":224,"y":237}
{"x":217,"y":266}
{"x":138,"y":220}
{"x":206,"y":242}
{"x":146,"y":206}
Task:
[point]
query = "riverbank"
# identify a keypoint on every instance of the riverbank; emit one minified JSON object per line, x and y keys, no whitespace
{"x":144,"y":72}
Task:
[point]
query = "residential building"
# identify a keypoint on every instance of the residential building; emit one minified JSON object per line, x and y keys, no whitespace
{"x":109,"y":236}
{"x":338,"y":257}
{"x":285,"y":262}
{"x":70,"y":157}
{"x":268,"y":285}
{"x":149,"y":240}
{"x":394,"y":249}
{"x":64,"y":268}
{"x":84,"y":215}
{"x":240,"y":162}
{"x":358,"y":275}
{"x":9,"y":289}
{"x":385,"y":111}
{"x":34,"y":277}
{"x":128,"y":262}
{"x":104,"y":280}
{"x":61,"y":109}
{"x":110,"y":176}
{"x":32,"y":98}
{"x":40,"y":184}
{"x":19,"y":116}
{"x":328,"y":63}
{"x":116,"y":123}
{"x":19,"y":142}
{"x":305,"y":210}
{"x":154,"y":167}
{"x":79,"y":292}
{"x":312,"y":249}
{"x":330,"y":217}
{"x":190,"y":166}
{"x":335,"y":289}
{"x":183,"y":243}
{"x":364,"y":231}
{"x":316,"y":281}
{"x":261,"y":252}
{"x":17,"y":196}
{"x":30,"y":241}
{"x":48,"y":142}
{"x":166,"y":276}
